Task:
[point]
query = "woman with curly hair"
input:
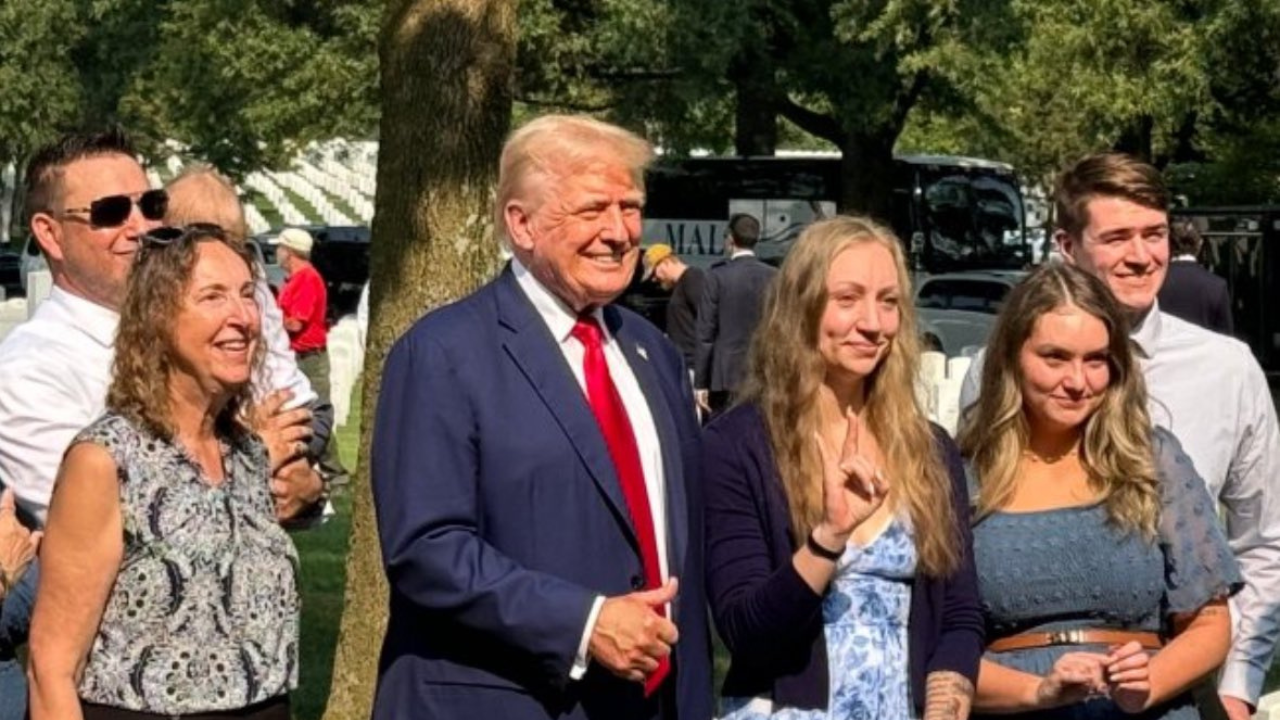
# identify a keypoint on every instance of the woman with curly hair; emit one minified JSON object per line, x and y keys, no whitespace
{"x":839,"y":567}
{"x":1103,"y":572}
{"x":167,"y":587}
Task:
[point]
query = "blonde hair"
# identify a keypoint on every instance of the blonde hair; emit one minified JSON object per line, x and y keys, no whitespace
{"x":785,"y":373}
{"x":200,"y":194}
{"x":1116,"y":450}
{"x":553,"y":146}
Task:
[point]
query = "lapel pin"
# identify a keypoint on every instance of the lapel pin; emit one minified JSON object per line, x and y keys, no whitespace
{"x":642,"y":352}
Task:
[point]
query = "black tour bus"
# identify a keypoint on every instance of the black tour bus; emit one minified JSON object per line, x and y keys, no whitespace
{"x":952,"y":213}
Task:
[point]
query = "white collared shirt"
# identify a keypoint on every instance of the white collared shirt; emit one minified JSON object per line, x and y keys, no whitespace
{"x":560,"y":320}
{"x":55,"y":370}
{"x":1209,"y":391}
{"x":279,"y":370}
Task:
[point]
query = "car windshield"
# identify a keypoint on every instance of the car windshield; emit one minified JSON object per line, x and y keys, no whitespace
{"x":984,"y":296}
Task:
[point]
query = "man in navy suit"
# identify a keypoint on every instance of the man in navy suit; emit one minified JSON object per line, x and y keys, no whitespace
{"x":1190,"y":291}
{"x":534,"y":460}
{"x":728,"y":315}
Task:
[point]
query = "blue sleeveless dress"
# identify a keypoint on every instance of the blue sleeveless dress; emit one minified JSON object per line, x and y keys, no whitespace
{"x":864,"y":617}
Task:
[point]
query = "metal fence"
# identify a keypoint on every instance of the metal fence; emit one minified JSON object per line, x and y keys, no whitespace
{"x":1242,"y":244}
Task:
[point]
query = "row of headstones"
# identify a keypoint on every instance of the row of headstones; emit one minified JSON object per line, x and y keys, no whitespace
{"x":265,"y":185}
{"x":354,"y":162}
{"x":352,"y":184}
{"x":938,"y":387}
{"x":336,"y":186}
{"x":314,"y":196}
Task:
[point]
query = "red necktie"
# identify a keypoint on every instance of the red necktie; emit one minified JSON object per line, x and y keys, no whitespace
{"x":611,"y":415}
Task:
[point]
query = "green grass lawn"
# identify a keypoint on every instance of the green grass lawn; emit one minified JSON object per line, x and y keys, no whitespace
{"x":323,"y":552}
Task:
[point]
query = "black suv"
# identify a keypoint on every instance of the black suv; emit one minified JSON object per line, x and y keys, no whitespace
{"x":341,"y":255}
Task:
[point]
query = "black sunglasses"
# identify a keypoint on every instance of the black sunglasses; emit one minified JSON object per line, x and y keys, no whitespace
{"x":113,"y":210}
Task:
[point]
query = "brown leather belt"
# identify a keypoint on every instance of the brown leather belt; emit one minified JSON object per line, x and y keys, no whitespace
{"x":1081,"y":636}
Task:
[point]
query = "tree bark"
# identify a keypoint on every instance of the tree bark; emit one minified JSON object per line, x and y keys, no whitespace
{"x":446,"y":72}
{"x":866,"y":158}
{"x":755,"y":112}
{"x":867,"y":172}
{"x":1136,"y":139}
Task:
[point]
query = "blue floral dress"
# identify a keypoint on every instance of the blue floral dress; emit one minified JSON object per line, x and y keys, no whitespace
{"x":864,"y":617}
{"x":1071,"y":568}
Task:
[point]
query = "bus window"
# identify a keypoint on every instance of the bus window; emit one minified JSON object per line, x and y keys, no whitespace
{"x":950,"y":213}
{"x":973,"y":221}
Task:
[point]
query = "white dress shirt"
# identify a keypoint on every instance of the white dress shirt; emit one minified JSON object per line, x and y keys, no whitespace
{"x":560,"y":320}
{"x":1210,"y":392}
{"x":55,"y":370}
{"x":279,"y":370}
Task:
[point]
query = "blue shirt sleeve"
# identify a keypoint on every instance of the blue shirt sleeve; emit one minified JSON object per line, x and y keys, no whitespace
{"x":1199,"y":565}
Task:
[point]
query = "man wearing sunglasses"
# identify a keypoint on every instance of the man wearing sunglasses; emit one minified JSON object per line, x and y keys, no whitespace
{"x":89,"y":204}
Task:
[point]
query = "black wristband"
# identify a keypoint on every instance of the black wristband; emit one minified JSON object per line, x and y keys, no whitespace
{"x":817,"y":549}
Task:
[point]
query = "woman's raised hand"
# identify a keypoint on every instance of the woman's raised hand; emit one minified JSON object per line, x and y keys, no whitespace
{"x":853,"y":488}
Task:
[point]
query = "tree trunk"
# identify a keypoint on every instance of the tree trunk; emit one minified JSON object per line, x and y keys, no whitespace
{"x":867,"y":172}
{"x":1136,"y":140}
{"x":755,"y":111}
{"x":446,"y":71}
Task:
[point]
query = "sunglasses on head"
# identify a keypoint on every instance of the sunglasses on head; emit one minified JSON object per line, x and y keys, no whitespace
{"x":166,"y":236}
{"x":114,"y":210}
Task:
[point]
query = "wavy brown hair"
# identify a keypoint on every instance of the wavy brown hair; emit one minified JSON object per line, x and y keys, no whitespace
{"x":785,"y":373}
{"x":1116,"y":449}
{"x":144,"y":340}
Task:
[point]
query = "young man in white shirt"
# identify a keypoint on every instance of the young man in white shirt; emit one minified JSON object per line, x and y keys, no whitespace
{"x":1206,"y":388}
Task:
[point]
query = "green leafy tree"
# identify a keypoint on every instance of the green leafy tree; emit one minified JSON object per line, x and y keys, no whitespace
{"x":848,"y":72}
{"x":242,"y":83}
{"x":246,"y":83}
{"x":39,"y":96}
{"x":1189,"y":86}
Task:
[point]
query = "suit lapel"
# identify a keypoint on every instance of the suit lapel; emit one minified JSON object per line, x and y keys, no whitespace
{"x":668,"y":438}
{"x":530,"y":345}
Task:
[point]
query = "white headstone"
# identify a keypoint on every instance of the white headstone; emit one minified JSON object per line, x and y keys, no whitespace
{"x":39,"y":285}
{"x":957,"y":367}
{"x":933,"y":366}
{"x":949,"y":404}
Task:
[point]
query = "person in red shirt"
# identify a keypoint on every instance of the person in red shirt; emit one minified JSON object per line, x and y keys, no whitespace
{"x":304,"y":301}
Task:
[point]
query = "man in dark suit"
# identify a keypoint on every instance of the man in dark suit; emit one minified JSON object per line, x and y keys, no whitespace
{"x":533,"y":469}
{"x":728,"y":315}
{"x":1190,"y":291}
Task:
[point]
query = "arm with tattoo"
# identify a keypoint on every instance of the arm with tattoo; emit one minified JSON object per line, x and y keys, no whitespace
{"x":948,"y":696}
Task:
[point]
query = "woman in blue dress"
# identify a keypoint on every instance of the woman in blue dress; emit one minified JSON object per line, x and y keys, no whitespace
{"x":1103,"y":572}
{"x":839,"y":573}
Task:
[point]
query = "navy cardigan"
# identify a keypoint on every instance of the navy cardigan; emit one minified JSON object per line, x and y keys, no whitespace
{"x":769,"y":618}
